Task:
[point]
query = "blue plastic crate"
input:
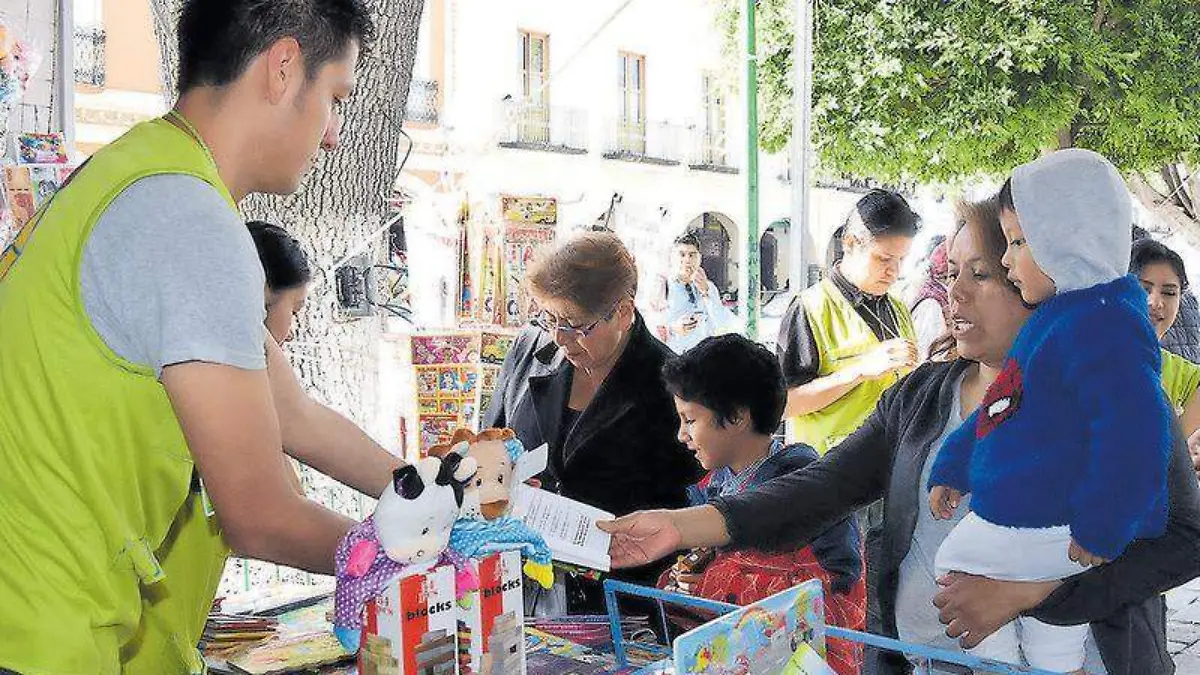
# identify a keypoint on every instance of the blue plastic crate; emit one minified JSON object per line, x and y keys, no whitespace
{"x":933,"y":660}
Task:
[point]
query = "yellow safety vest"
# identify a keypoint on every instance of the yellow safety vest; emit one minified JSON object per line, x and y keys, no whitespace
{"x":107,"y":561}
{"x":842,"y":336}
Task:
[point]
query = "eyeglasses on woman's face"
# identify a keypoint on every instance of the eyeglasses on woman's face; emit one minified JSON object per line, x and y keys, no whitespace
{"x":551,"y":324}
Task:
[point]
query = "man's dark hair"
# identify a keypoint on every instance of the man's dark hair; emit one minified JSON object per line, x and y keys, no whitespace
{"x":284,"y":262}
{"x":1149,"y":252}
{"x":728,"y":372}
{"x":219,"y":38}
{"x":882,"y":213}
{"x":688,"y":238}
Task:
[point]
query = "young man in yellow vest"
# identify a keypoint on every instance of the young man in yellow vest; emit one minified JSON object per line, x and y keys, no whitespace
{"x":843,"y":342}
{"x":133,"y":369}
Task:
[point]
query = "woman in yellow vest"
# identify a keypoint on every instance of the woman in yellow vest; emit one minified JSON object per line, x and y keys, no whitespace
{"x":843,"y":342}
{"x":1164,"y":279}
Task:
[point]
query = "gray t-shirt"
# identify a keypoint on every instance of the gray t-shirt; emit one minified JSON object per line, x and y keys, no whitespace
{"x":170,"y":275}
{"x":916,"y":617}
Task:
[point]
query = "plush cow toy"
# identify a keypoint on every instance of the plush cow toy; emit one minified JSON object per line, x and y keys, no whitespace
{"x":407,"y":534}
{"x":487,"y":524}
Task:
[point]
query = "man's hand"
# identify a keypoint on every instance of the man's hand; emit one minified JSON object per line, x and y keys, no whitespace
{"x":975,"y":607}
{"x":1084,"y":557}
{"x":641,"y":538}
{"x":943,"y":501}
{"x":700,"y":278}
{"x":888,"y":357}
{"x":685,"y":325}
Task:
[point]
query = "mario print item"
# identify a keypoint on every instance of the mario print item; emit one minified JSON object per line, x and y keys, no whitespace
{"x":1002,"y":400}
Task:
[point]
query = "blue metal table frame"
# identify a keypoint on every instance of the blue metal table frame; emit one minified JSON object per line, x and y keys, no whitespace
{"x":922,"y":654}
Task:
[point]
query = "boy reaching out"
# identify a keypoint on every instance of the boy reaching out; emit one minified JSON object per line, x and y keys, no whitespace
{"x":730,"y":395}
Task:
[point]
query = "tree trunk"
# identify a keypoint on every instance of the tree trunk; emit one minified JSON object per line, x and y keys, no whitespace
{"x":338,"y":205}
{"x":1170,"y":199}
{"x":1066,"y":137}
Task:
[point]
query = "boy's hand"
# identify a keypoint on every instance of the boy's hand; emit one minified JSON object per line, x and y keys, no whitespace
{"x":1081,"y":555}
{"x":943,"y":501}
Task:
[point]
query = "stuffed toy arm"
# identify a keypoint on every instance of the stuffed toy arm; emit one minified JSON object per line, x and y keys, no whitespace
{"x":478,"y":538}
{"x":361,"y":567}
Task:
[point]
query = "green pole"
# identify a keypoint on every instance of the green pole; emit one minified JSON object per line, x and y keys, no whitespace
{"x":752,"y":271}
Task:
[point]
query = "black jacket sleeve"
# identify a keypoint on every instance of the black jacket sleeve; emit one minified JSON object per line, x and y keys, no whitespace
{"x":796,"y":347}
{"x":790,"y":511}
{"x":1146,"y":568}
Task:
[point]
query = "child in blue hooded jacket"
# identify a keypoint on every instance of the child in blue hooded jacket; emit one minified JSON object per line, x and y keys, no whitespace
{"x":1066,"y":458}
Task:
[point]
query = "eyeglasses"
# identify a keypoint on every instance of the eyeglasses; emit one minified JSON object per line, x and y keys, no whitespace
{"x":551,"y":324}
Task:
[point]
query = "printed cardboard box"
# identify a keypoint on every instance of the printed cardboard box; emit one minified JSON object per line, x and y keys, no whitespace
{"x":411,"y":628}
{"x":491,"y":620}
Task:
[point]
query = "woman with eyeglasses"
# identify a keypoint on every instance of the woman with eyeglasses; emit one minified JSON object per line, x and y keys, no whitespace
{"x":585,"y":379}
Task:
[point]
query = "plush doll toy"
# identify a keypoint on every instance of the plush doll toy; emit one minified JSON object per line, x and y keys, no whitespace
{"x":407,"y":534}
{"x":487,"y":525}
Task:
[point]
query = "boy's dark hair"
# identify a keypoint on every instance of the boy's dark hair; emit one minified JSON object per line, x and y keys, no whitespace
{"x":687,"y":239}
{"x":219,"y":38}
{"x":882,"y":213}
{"x":284,"y":262}
{"x":728,"y":372}
{"x":1149,"y":252}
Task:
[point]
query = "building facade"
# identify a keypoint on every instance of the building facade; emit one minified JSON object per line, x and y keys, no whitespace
{"x":629,"y":114}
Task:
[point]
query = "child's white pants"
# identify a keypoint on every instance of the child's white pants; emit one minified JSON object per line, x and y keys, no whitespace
{"x":978,"y":547}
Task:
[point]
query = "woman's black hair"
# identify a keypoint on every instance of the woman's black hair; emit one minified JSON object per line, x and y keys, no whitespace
{"x":836,"y":250}
{"x":1005,"y":198}
{"x":729,"y":372}
{"x":284,"y":262}
{"x":1149,"y":252}
{"x":882,"y":213}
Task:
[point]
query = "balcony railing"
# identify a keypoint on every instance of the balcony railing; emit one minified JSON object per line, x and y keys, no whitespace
{"x":533,"y":126}
{"x":650,"y":142}
{"x":90,"y":43}
{"x":422,"y":104}
{"x":709,"y":152}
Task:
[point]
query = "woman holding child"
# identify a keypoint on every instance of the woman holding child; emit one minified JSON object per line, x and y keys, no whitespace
{"x":892,"y":455}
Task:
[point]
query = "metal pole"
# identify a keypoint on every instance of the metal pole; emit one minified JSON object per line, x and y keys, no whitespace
{"x":752,"y":271}
{"x":64,"y":77}
{"x":802,"y":68}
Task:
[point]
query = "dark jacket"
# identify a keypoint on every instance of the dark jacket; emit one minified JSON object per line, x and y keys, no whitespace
{"x":623,"y":453}
{"x":1183,"y":337}
{"x":884,"y":458}
{"x":838,"y":549}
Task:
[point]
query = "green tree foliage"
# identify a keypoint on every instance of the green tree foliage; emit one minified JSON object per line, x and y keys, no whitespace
{"x":946,"y":90}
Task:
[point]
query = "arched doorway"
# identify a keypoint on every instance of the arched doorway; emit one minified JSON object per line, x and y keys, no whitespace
{"x":768,"y":257}
{"x":716,"y":250}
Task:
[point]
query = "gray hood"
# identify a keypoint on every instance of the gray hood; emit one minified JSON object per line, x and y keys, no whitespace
{"x":1077,"y":217}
